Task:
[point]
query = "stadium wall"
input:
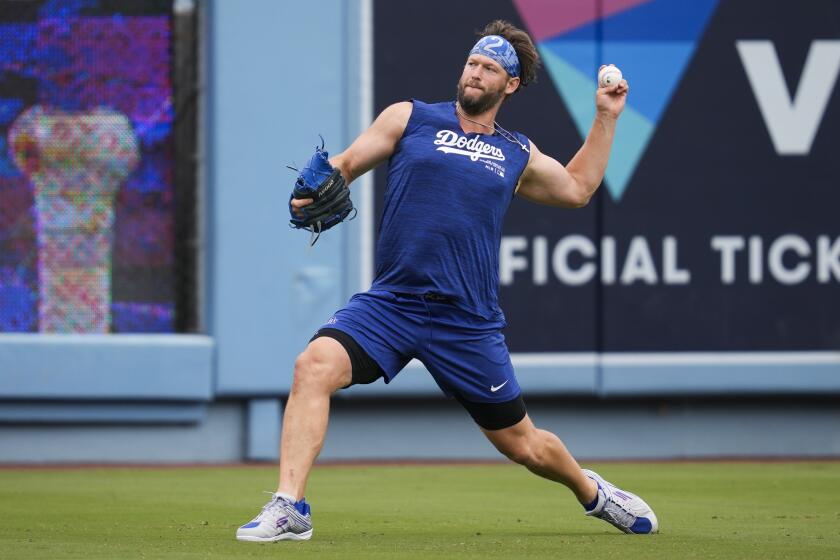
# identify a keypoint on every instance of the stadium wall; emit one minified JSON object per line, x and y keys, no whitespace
{"x":272,"y":85}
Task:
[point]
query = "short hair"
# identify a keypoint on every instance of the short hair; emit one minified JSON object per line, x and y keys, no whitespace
{"x":529,"y":58}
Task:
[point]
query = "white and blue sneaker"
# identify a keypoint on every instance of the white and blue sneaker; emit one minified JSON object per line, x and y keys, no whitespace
{"x":282,"y":518}
{"x":626,"y":511}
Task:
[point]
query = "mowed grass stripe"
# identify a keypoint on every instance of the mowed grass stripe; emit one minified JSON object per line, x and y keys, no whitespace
{"x":706,"y":510}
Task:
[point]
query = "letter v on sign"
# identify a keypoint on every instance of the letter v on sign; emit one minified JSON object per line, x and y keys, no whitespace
{"x":791,"y":122}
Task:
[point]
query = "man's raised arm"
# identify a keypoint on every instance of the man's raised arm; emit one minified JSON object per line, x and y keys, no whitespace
{"x":546,"y":181}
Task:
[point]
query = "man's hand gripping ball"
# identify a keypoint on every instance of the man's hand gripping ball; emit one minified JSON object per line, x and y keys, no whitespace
{"x":612,"y":91}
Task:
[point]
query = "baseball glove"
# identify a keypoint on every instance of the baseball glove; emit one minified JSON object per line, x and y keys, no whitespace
{"x":330,"y":196}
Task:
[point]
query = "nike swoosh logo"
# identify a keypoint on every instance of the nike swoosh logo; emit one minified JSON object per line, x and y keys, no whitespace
{"x":494,"y":389}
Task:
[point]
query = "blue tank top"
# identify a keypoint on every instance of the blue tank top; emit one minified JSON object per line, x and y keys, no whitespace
{"x":446,"y":197}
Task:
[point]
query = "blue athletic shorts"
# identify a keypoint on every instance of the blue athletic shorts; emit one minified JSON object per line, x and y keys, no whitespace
{"x":466,"y":354}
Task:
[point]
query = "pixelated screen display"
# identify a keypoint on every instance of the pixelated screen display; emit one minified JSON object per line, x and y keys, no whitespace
{"x":86,"y":166}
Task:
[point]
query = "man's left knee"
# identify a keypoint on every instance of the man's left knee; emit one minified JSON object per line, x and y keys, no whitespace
{"x":523,"y":451}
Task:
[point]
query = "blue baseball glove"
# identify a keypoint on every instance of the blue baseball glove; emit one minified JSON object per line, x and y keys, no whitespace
{"x":330,"y":196}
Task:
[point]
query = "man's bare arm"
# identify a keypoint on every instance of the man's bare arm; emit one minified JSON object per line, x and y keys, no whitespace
{"x":546,"y":181}
{"x":374,"y":145}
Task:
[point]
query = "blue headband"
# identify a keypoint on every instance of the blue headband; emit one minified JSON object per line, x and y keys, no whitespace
{"x":500,"y":50}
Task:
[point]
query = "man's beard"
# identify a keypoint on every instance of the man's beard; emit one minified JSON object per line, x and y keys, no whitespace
{"x":479,"y":104}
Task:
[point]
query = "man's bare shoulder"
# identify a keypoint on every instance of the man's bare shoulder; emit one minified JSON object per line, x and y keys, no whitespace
{"x":393,"y":119}
{"x":398,"y":112}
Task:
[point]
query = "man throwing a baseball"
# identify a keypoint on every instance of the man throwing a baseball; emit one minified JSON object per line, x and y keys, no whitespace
{"x":452,"y":173}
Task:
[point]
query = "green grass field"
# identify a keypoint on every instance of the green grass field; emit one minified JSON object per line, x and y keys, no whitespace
{"x":706,"y":510}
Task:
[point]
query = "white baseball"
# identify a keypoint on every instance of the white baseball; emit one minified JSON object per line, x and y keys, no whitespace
{"x":609,"y":76}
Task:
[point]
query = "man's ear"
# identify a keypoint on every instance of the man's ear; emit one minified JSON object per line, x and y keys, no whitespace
{"x":512,"y":85}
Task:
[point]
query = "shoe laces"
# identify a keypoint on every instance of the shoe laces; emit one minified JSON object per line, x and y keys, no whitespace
{"x":617,"y":512}
{"x":272,"y":510}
